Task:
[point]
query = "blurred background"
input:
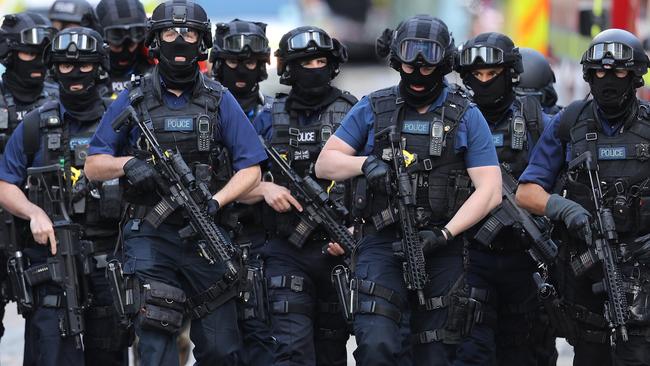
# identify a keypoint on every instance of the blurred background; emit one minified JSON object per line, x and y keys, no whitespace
{"x":560,"y":29}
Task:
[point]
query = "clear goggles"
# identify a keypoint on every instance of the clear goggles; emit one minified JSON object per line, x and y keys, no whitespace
{"x":82,"y":42}
{"x":412,"y":48}
{"x":237,"y":42}
{"x":616,"y":51}
{"x":118,"y":34}
{"x":302,"y":41}
{"x":488,"y":55}
{"x":37,"y":35}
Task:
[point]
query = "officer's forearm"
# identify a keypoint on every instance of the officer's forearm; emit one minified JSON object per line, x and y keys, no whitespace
{"x":240,"y":184}
{"x":338,"y":166}
{"x":532,"y":197}
{"x":486,"y":197}
{"x":14,"y":200}
{"x":105,"y":167}
{"x":255,"y":195}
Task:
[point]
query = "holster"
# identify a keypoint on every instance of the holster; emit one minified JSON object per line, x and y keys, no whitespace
{"x":163,"y":307}
{"x":254,"y":294}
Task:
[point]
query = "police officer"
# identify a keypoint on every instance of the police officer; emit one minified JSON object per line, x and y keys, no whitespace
{"x":124,"y":23}
{"x":500,"y":269}
{"x":307,"y":323}
{"x":239,"y":57}
{"x":73,"y":13}
{"x":538,"y":79}
{"x":59,"y":132}
{"x":450,"y":148}
{"x":613,"y":127}
{"x":24,"y":36}
{"x":195,"y":116}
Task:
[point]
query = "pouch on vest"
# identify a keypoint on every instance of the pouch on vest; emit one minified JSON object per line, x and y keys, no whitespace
{"x":163,"y":307}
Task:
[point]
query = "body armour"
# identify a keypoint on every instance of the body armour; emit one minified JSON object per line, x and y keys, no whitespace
{"x":301,"y":144}
{"x":438,"y":173}
{"x":11,"y":113}
{"x":96,"y":205}
{"x":118,"y":83}
{"x":622,"y":161}
{"x":189,"y":130}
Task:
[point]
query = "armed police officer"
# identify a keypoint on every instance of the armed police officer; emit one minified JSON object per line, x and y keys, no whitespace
{"x":239,"y":57}
{"x":124,"y":25}
{"x":449,"y":148}
{"x":602,"y":142}
{"x":537,"y":80}
{"x":307,"y":322}
{"x":198,"y":121}
{"x":58,"y":133}
{"x":499,"y":267}
{"x":73,"y":13}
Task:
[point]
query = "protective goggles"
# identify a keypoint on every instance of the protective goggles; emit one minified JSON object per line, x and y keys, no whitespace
{"x":170,"y":34}
{"x":616,"y":51}
{"x":37,"y":35}
{"x":302,"y":41}
{"x":82,"y":42}
{"x":411,"y":48}
{"x":118,"y":34}
{"x":489,"y":55}
{"x":237,"y":42}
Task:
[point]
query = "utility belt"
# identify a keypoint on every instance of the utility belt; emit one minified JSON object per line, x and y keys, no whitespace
{"x":161,"y":306}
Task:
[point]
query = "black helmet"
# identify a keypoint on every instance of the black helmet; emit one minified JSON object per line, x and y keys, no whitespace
{"x":122,"y":20}
{"x":489,"y":50}
{"x":241,"y":40}
{"x":615,"y":48}
{"x":537,"y":70}
{"x":419,"y":40}
{"x":29,"y":32}
{"x":308,"y":42}
{"x":74,"y":11}
{"x":179,"y":13}
{"x":77,"y":45}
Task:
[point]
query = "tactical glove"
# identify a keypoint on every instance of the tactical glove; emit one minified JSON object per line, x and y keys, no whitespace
{"x":575,"y":217}
{"x":142,"y":175}
{"x":432,"y":240}
{"x":376,"y":171}
{"x":213,"y":207}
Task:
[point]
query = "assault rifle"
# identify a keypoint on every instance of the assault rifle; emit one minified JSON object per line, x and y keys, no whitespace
{"x":538,"y":229}
{"x":616,"y":310}
{"x":318,"y":208}
{"x":183,"y":190}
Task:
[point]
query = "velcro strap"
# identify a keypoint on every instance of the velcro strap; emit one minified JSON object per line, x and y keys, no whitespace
{"x":371,"y":307}
{"x":435,"y":303}
{"x":285,"y":307}
{"x":423,"y":165}
{"x":429,"y":336}
{"x":209,"y":300}
{"x":293,"y":283}
{"x":52,"y":301}
{"x":373,"y":289}
{"x":99,"y":312}
{"x":332,"y":334}
{"x":329,"y":307}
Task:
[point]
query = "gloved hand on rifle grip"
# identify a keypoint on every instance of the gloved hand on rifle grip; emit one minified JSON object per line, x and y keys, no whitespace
{"x":432,"y":240}
{"x":142,"y":175}
{"x":575,"y":217}
{"x":376,"y":171}
{"x":213,"y":207}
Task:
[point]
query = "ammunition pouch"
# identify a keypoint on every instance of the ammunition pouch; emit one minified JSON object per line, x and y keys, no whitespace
{"x":163,"y":307}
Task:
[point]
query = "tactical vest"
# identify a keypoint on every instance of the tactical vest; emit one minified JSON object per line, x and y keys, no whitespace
{"x":510,"y":136}
{"x":11,"y":114}
{"x":302,"y":144}
{"x":438,"y":173}
{"x":117,"y":84}
{"x":96,"y":205}
{"x":622,"y":162}
{"x":189,"y":130}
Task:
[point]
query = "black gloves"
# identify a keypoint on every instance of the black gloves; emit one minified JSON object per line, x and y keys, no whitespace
{"x":213,"y":207}
{"x":575,"y":217}
{"x":376,"y":171}
{"x":432,"y":240}
{"x":141,"y":175}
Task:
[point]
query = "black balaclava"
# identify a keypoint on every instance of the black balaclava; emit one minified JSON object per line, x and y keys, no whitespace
{"x":19,"y":81}
{"x":494,"y":96}
{"x":433,"y":84}
{"x":85,"y":104}
{"x":614,"y":95}
{"x":125,"y":55}
{"x":311,"y":88}
{"x":179,"y":75}
{"x":248,"y":96}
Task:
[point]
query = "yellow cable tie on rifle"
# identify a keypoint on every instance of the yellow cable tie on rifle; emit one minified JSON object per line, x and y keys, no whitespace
{"x":408,"y":158}
{"x":332,"y":184}
{"x":76,"y":174}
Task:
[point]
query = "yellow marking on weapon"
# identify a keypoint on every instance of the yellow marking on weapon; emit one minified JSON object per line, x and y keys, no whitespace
{"x":408,"y":158}
{"x":284,"y":156}
{"x":76,"y":174}
{"x":332,"y":184}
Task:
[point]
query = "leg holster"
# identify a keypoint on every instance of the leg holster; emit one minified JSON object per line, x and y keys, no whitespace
{"x":295,"y":284}
{"x":372,"y":289}
{"x":254,"y":294}
{"x":163,"y":307}
{"x":212,"y":298}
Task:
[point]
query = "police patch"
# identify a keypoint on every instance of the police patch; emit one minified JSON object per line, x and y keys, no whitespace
{"x":176,"y":124}
{"x":76,"y":141}
{"x":497,"y":139}
{"x":612,"y":153}
{"x":416,"y":127}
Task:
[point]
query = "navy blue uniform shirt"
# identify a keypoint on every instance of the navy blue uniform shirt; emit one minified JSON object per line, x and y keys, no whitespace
{"x":549,"y":156}
{"x":234,"y":130}
{"x":473,"y":135}
{"x":13,"y":166}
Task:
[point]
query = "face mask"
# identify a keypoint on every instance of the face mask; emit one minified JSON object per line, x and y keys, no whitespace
{"x":84,"y":104}
{"x":230,"y":78}
{"x":432,"y":86}
{"x":19,"y":80}
{"x":494,"y":96}
{"x":74,"y":78}
{"x":122,"y":61}
{"x":179,"y":75}
{"x":613,"y":94}
{"x":311,"y":82}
